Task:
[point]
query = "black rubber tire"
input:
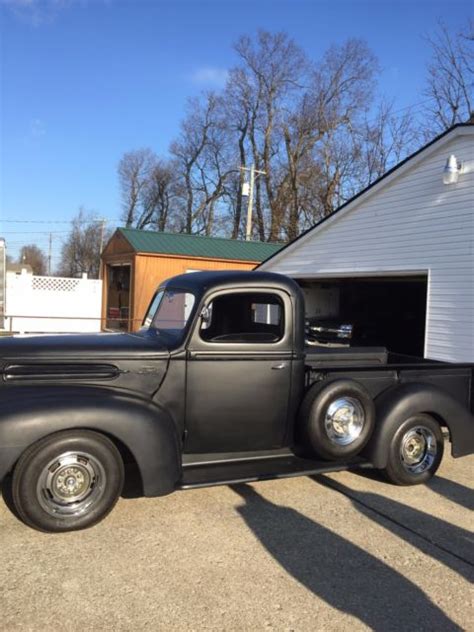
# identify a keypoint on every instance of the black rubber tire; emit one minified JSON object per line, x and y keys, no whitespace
{"x":395,"y":471}
{"x":32,"y":463}
{"x":311,"y":428}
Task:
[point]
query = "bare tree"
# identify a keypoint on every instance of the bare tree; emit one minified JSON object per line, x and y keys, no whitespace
{"x":450,"y":81}
{"x":81,"y":250}
{"x":156,"y":197}
{"x":289,"y":110}
{"x":383,"y":142}
{"x":339,"y":91}
{"x":134,"y":170}
{"x":35,"y":257}
{"x":237,"y":108}
{"x":275,"y":68}
{"x":147,"y":185}
{"x":202,"y":167}
{"x":302,"y":122}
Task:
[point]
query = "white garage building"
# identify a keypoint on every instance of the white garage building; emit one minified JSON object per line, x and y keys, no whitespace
{"x":398,"y":259}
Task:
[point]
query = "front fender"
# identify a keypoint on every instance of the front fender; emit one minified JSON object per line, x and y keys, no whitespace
{"x":404,"y":401}
{"x":28,"y":414}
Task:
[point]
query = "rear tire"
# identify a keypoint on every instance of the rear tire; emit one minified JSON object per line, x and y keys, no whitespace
{"x":415,"y":451}
{"x":336,"y":419}
{"x":67,"y":481}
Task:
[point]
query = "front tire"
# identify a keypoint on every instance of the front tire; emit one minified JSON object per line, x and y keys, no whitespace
{"x":415,"y":451}
{"x":67,"y":481}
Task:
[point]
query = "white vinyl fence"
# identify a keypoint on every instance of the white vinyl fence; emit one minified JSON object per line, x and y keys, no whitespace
{"x":36,"y":304}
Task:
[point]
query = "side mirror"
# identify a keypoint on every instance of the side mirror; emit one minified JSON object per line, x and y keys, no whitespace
{"x":205,"y":315}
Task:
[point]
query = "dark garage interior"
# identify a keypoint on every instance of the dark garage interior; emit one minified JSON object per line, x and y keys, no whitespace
{"x":384,"y":311}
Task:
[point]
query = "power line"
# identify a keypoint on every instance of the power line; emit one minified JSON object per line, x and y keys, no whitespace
{"x":410,"y":107}
{"x":37,"y":221}
{"x":42,"y":241}
{"x":34,"y":232}
{"x":56,"y":221}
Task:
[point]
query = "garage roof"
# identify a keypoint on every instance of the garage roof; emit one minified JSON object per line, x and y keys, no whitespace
{"x":386,"y":178}
{"x":197,"y":246}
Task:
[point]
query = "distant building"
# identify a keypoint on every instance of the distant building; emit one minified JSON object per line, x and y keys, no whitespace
{"x":135,"y":262}
{"x":19,"y":268}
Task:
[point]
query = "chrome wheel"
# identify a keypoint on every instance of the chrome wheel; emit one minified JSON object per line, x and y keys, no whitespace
{"x":344,"y":420}
{"x":70,"y":484}
{"x":418,"y":450}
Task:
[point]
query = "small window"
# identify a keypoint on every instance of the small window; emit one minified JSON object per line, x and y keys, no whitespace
{"x":251,"y":318}
{"x":266,"y":313}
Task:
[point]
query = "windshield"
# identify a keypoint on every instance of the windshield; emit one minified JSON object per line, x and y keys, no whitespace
{"x":169,"y":312}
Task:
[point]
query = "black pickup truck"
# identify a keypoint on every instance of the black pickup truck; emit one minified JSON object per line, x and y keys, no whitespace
{"x":217,"y":387}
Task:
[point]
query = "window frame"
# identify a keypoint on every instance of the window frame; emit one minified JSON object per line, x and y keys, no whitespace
{"x":285,"y":342}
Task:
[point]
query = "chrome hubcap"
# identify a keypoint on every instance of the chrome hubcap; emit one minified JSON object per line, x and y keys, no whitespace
{"x":344,"y":420}
{"x":70,"y":484}
{"x":418,"y":450}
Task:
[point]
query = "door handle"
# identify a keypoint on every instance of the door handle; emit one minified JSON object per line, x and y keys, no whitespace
{"x":279,"y":366}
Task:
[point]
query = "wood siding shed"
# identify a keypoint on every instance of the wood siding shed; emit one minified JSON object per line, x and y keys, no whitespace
{"x":154,"y":257}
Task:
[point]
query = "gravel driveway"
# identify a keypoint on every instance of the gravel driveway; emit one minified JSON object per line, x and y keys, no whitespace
{"x":340,"y":551}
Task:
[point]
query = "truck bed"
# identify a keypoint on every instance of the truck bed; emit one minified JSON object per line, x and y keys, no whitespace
{"x":322,"y":357}
{"x":379,"y":369}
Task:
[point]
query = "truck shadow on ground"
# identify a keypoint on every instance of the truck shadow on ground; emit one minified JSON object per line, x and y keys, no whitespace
{"x":446,"y":543}
{"x":341,"y":573}
{"x":455,"y":492}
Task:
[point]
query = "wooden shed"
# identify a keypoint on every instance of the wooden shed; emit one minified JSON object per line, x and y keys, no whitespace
{"x":135,"y":262}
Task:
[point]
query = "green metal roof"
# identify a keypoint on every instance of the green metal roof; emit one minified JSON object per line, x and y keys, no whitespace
{"x":197,"y":246}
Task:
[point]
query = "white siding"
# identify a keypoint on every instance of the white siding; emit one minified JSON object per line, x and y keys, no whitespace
{"x":411,"y":223}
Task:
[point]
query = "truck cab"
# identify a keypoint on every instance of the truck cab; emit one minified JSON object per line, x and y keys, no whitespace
{"x":244,"y":356}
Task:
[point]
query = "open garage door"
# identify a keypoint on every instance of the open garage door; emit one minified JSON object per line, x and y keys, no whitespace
{"x":384,"y":311}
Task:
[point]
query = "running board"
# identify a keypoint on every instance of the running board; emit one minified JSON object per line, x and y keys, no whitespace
{"x":211,"y":474}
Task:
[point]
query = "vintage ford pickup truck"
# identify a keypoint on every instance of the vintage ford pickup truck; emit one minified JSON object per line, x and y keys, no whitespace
{"x":217,"y":387}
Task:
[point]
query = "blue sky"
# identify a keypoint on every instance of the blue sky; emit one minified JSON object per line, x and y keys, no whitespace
{"x":83,"y":81}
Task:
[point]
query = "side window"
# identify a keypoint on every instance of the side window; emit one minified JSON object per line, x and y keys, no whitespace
{"x":244,"y":318}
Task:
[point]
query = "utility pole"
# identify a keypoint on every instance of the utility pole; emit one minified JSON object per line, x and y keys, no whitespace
{"x":50,"y":253}
{"x":251,"y":185}
{"x":102,"y":234}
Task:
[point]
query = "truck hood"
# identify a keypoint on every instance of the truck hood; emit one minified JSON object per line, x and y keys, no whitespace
{"x":101,"y":347}
{"x":134,"y":362}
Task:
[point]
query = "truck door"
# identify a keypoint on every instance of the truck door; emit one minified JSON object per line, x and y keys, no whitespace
{"x":239,"y":372}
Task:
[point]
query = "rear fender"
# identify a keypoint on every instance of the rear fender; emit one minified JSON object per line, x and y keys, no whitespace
{"x":149,"y":433}
{"x":404,"y":401}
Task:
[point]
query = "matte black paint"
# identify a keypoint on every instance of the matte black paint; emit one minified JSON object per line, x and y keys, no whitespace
{"x":28,"y":414}
{"x":260,"y":470}
{"x":165,"y":401}
{"x":406,"y":400}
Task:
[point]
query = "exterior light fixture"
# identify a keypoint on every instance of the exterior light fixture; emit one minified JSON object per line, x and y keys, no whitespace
{"x":452,"y":170}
